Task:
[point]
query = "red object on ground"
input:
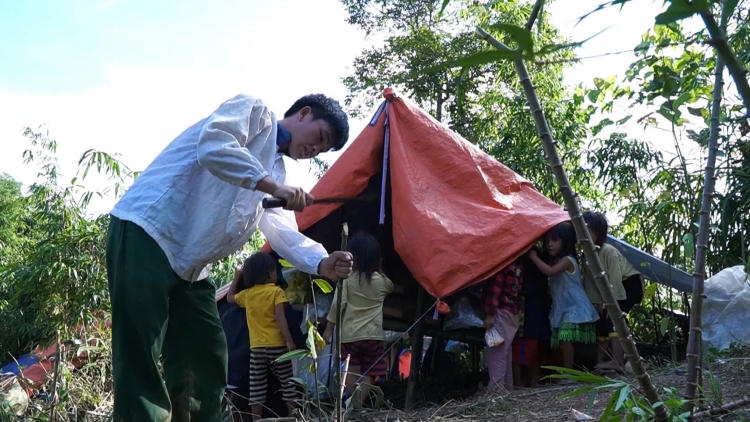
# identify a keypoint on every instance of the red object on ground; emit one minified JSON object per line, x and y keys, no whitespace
{"x":459,"y":216}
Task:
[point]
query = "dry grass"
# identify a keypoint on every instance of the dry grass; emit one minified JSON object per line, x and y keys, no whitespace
{"x":730,"y":382}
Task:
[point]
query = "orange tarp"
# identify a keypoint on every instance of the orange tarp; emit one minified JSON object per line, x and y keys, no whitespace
{"x":459,"y":216}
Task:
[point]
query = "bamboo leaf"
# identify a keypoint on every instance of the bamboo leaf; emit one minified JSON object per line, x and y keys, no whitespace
{"x":689,"y":245}
{"x":664,"y":326}
{"x":680,"y":9}
{"x":728,"y":10}
{"x":483,"y":57}
{"x":294,"y":354}
{"x":324,"y":286}
{"x":286,"y":264}
{"x":681,"y":100}
{"x":442,"y":8}
{"x":624,"y":393}
{"x":521,"y":36}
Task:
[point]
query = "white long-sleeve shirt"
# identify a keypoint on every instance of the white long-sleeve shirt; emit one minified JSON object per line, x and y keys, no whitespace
{"x":197,"y":198}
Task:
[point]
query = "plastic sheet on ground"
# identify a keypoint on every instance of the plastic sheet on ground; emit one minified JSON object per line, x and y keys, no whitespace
{"x":726,"y":308}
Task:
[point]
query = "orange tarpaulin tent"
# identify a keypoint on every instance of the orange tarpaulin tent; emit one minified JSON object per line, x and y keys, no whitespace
{"x":457,"y":215}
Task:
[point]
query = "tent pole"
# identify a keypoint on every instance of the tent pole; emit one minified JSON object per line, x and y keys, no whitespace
{"x":416,"y":352}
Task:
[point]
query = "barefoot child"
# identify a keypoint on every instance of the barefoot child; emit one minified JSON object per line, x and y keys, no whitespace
{"x":572,"y":317}
{"x":269,"y":332}
{"x":362,"y":313}
{"x":627,"y":287}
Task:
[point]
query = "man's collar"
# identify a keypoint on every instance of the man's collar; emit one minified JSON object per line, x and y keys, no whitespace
{"x":283,"y":137}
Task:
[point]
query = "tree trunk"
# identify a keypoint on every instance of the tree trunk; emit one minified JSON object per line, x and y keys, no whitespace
{"x":570,"y":198}
{"x":701,"y":250}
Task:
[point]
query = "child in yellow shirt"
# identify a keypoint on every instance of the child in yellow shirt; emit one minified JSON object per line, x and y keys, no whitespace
{"x":270,"y":338}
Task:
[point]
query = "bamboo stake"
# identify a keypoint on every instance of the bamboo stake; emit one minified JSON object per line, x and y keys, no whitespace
{"x":723,"y":409}
{"x":337,"y":343}
{"x":701,"y":250}
{"x":548,"y":143}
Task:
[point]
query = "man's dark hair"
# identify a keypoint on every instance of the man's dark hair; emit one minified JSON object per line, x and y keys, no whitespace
{"x":597,"y":223}
{"x":329,"y":110}
{"x":365,"y":250}
{"x":257,"y":269}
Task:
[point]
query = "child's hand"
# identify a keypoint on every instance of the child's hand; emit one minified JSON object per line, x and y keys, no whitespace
{"x":532,"y":253}
{"x":327,"y":334}
{"x":290,"y":345}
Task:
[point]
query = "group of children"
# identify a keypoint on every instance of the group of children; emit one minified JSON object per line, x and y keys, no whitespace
{"x":548,"y":300}
{"x":363,"y":295}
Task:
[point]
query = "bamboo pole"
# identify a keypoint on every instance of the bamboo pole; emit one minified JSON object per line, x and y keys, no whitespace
{"x":723,"y":409}
{"x":734,"y":66}
{"x":337,"y":343}
{"x":570,"y":198}
{"x":701,"y":250}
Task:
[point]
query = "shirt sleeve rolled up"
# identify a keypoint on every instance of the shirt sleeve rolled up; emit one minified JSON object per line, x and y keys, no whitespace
{"x":228,"y":138}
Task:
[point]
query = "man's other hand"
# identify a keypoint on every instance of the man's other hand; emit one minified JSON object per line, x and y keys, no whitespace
{"x":337,"y":266}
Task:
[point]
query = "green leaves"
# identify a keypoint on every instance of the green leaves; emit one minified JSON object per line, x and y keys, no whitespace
{"x":294,"y":354}
{"x":324,"y":286}
{"x":477,"y":59}
{"x":681,"y":9}
{"x":286,"y":264}
{"x":521,"y":36}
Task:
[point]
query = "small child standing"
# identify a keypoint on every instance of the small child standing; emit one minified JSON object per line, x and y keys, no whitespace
{"x":362,"y":313}
{"x":500,"y":304}
{"x":572,"y":317}
{"x":627,"y":287}
{"x":270,"y":338}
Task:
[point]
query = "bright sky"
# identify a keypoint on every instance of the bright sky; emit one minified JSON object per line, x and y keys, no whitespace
{"x":127,"y":76}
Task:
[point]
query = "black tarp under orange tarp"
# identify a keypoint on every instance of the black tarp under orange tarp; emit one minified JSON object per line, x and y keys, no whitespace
{"x":458,"y":216}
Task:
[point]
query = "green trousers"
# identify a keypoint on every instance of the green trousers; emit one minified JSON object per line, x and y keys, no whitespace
{"x":157,"y":314}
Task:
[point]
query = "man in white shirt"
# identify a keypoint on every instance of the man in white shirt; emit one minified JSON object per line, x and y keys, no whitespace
{"x":196,"y":203}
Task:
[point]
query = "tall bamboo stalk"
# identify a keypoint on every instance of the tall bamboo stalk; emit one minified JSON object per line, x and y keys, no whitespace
{"x":337,"y":343}
{"x":548,"y":143}
{"x":701,"y":250}
{"x":724,"y":50}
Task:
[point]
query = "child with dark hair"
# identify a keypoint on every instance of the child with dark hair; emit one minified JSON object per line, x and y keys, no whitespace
{"x":627,"y":287}
{"x":572,"y":317}
{"x":362,"y":300}
{"x":270,"y":337}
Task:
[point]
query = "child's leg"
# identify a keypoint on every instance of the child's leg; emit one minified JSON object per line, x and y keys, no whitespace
{"x":258,"y":380}
{"x":535,"y":370}
{"x":518,"y":379}
{"x":284,"y":371}
{"x":568,"y":352}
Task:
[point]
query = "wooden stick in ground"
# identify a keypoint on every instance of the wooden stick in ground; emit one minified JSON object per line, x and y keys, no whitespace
{"x":723,"y":409}
{"x":570,"y":197}
{"x":701,"y":250}
{"x":55,"y":377}
{"x":337,"y":343}
{"x":343,"y":382}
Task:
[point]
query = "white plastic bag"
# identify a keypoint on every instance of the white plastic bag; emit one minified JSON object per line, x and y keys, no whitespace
{"x":726,"y":308}
{"x":493,"y":338}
